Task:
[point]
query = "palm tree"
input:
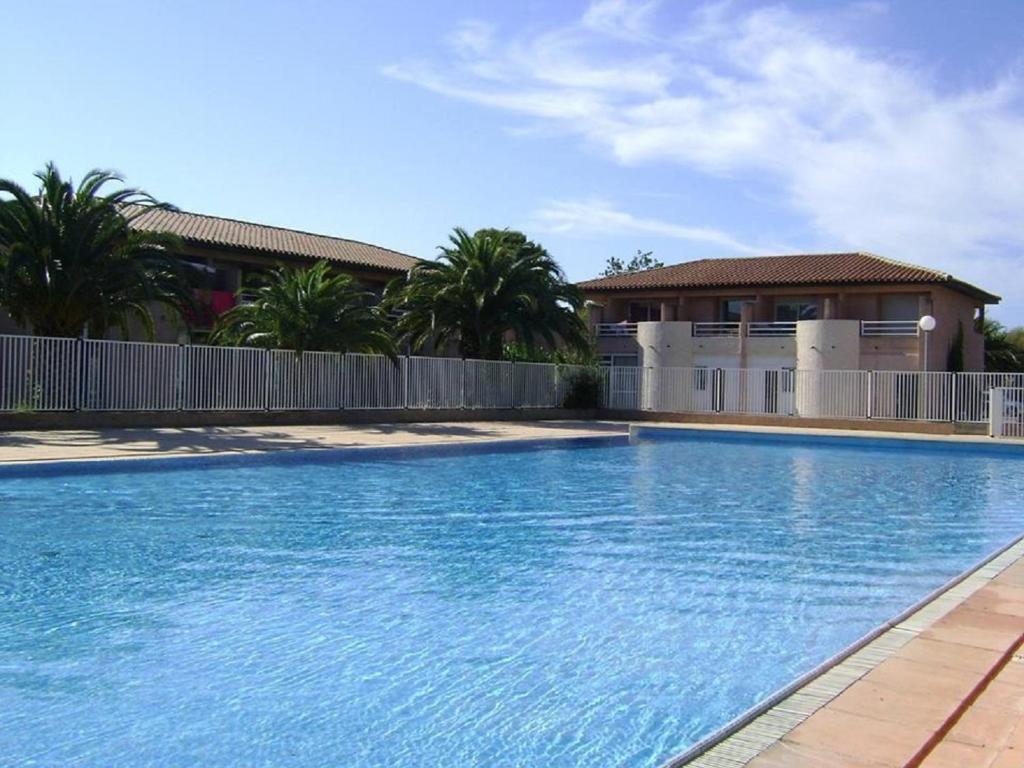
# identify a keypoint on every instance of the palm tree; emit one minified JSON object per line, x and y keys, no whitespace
{"x":485,"y":288}
{"x":1003,"y":354}
{"x":306,"y":308}
{"x":70,"y":263}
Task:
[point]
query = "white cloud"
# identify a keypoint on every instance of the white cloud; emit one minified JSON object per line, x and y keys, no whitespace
{"x":600,"y":217}
{"x":620,"y":18}
{"x":874,"y":152}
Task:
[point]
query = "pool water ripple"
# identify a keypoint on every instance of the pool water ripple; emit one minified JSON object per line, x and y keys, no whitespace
{"x":603,"y":606}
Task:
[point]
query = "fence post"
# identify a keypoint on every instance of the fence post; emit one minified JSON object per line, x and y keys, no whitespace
{"x":403,"y":372}
{"x":80,"y":382}
{"x":952,"y":396}
{"x":179,"y":384}
{"x":871,"y":392}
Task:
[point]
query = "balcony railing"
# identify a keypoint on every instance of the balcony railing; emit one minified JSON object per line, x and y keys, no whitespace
{"x":716,"y":329}
{"x":888,"y":328}
{"x":780,"y":328}
{"x":616,"y":329}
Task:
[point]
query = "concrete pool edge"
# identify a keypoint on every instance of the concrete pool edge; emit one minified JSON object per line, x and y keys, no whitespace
{"x":817,"y":436}
{"x":761,"y":727}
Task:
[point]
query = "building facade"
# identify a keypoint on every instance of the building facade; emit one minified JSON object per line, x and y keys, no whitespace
{"x":227,"y":254}
{"x":840,"y":311}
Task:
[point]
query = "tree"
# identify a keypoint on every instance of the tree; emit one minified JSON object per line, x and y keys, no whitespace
{"x":643,"y":260}
{"x":488,"y":288}
{"x":306,"y":308}
{"x":1003,"y":350}
{"x":71,"y":264}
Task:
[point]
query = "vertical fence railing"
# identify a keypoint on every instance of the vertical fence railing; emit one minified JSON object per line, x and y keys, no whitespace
{"x":224,"y":378}
{"x":1006,"y":414}
{"x":311,"y":381}
{"x":832,"y":394}
{"x":435,"y":382}
{"x":535,"y":385}
{"x":489,"y":384}
{"x":375,"y":382}
{"x":129,"y":376}
{"x":56,"y":374}
{"x":38,"y":373}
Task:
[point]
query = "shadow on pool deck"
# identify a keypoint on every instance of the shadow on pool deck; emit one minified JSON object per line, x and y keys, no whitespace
{"x":112,"y":443}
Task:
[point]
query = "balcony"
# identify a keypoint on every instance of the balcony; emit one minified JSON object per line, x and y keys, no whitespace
{"x":776,"y":329}
{"x":706,"y":330}
{"x":889,"y":328}
{"x":616,"y":330}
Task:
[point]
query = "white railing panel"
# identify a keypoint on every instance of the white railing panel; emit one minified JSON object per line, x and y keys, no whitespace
{"x":435,"y":382}
{"x":911,"y":395}
{"x":224,"y":378}
{"x":971,"y":402}
{"x":130,"y":376}
{"x":757,"y":391}
{"x":311,"y":381}
{"x":889,"y":328}
{"x":624,"y":387}
{"x":716,"y":329}
{"x":535,"y":385}
{"x":679,"y":390}
{"x":1006,"y":418}
{"x":374,"y":381}
{"x":39,"y":373}
{"x":777,"y":328}
{"x":616,"y":329}
{"x":489,"y":384}
{"x":832,"y":394}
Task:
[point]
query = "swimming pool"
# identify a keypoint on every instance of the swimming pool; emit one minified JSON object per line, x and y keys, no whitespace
{"x":558,"y":606}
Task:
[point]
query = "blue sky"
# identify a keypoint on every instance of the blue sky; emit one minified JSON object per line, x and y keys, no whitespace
{"x":689,"y":129}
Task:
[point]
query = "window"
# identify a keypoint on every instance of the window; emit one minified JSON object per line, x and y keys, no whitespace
{"x":731,"y":310}
{"x":644,"y":311}
{"x":620,"y":360}
{"x":792,"y":310}
{"x":899,"y":306}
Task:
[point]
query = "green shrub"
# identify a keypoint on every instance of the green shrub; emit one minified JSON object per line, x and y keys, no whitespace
{"x":585,"y":389}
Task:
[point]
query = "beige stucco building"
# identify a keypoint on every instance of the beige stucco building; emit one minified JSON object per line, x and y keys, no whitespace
{"x":838,"y":311}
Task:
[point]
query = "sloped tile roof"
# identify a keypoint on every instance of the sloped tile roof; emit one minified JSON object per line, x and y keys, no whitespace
{"x":802,"y":269}
{"x":272,"y":241}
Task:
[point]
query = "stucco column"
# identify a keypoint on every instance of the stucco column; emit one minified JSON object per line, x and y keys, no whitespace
{"x":662,"y":345}
{"x":667,"y":314}
{"x":826,"y":345}
{"x":828,"y":312}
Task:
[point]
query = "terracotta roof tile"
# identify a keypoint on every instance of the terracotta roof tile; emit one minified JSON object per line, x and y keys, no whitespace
{"x":272,"y":241}
{"x":793,"y":270}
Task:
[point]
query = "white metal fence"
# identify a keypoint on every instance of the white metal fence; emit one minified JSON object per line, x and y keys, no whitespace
{"x":888,"y":395}
{"x":49,"y":374}
{"x":1006,"y":415}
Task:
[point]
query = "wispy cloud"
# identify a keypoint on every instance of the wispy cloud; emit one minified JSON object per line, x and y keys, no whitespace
{"x":870,"y":149}
{"x":600,"y":217}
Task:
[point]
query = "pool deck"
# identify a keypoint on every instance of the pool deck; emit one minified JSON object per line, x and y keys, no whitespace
{"x":941,"y":686}
{"x":77,"y":445}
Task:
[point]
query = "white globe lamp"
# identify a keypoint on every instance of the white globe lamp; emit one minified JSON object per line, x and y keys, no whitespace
{"x":927,"y":325}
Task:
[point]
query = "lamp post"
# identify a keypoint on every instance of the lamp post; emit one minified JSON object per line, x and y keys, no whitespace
{"x":927,"y":325}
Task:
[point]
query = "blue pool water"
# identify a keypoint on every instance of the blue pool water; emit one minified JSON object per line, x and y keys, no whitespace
{"x":601,"y":606}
